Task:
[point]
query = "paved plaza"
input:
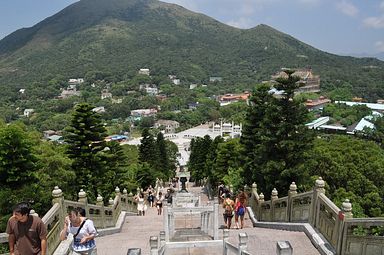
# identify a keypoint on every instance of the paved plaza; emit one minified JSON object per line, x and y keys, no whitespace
{"x":137,"y":230}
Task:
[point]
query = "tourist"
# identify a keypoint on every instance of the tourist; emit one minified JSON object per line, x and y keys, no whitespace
{"x":240,"y":209}
{"x":150,"y":199}
{"x":83,"y":231}
{"x":159,"y":203}
{"x":141,"y":207}
{"x":27,"y":233}
{"x":228,"y":206}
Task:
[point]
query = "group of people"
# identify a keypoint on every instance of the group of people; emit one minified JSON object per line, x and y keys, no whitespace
{"x":27,"y":234}
{"x":236,"y":208}
{"x":150,"y":199}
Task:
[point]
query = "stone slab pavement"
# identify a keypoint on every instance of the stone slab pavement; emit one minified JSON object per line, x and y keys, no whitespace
{"x":137,"y":230}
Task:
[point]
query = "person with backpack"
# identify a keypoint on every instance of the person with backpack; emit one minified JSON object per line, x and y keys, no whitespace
{"x":240,"y":209}
{"x":83,"y":231}
{"x":228,"y":206}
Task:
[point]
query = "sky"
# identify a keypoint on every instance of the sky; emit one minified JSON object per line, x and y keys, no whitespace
{"x":345,"y":27}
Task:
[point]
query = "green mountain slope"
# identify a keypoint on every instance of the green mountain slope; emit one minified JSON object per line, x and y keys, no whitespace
{"x":121,"y":36}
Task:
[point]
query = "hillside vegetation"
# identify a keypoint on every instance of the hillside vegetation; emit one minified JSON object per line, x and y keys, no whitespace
{"x":118,"y":37}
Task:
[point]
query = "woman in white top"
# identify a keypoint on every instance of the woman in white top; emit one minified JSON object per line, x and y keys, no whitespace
{"x":141,"y":204}
{"x":83,"y":232}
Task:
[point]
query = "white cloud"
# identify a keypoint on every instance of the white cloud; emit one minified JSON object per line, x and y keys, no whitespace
{"x":374,"y":22}
{"x":241,"y":23}
{"x":347,"y":8}
{"x":380,"y":46}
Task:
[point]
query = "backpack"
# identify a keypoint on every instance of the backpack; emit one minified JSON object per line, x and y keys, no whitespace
{"x":240,"y":211}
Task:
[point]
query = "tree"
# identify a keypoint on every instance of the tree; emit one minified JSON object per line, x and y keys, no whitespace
{"x":275,"y":137}
{"x":147,"y":149}
{"x":163,"y":164}
{"x":199,"y":150}
{"x":85,"y":138}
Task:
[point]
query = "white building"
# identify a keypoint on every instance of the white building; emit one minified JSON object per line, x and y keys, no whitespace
{"x":144,"y":71}
{"x":28,"y":112}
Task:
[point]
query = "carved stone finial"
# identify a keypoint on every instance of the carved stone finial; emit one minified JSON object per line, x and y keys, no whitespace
{"x":117,"y":189}
{"x":125,"y":192}
{"x":57,"y":192}
{"x":110,"y":201}
{"x":82,"y":194}
{"x":254,"y":186}
{"x":274,"y":193}
{"x":99,"y":198}
{"x":320,"y":184}
{"x":293,"y":187}
{"x":261,"y":197}
{"x":347,"y":206}
{"x":33,"y":213}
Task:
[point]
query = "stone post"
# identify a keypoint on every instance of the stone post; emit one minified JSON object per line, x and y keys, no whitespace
{"x":100,"y":202}
{"x":132,"y":207}
{"x":243,"y":239}
{"x":125,"y":199}
{"x":110,"y":202}
{"x":292,"y":192}
{"x":33,"y":213}
{"x":162,"y":238}
{"x":83,"y":199}
{"x":225,"y":239}
{"x":166,"y":222}
{"x":347,"y":209}
{"x":216,"y":219}
{"x":259,"y":209}
{"x":58,"y":197}
{"x":154,"y":244}
{"x":274,"y":197}
{"x":318,"y":189}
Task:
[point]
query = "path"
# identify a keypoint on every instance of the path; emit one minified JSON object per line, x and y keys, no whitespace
{"x":138,"y":229}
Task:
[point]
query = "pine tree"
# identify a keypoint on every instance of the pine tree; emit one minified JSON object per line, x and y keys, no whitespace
{"x":85,"y":138}
{"x":163,"y":163}
{"x":275,"y":137}
{"x":147,"y":149}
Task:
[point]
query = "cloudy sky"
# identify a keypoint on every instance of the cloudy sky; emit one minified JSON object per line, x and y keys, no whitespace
{"x":336,"y":26}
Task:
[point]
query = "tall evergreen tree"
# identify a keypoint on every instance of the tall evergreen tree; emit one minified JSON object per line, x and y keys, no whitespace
{"x":147,"y":148}
{"x":199,"y":150}
{"x":275,"y":137}
{"x":85,"y":138}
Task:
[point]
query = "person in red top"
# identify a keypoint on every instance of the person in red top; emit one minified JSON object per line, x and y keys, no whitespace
{"x":240,"y":209}
{"x":27,"y":233}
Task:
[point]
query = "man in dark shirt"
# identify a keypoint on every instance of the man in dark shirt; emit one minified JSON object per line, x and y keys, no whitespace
{"x":27,"y":233}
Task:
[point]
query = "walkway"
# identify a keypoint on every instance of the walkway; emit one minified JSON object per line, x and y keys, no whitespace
{"x":137,"y":230}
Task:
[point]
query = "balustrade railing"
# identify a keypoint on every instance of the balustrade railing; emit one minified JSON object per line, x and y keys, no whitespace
{"x":102,"y":216}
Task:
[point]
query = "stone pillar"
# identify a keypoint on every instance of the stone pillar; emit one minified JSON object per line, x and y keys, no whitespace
{"x":83,"y":199}
{"x":154,"y":244}
{"x":243,"y":239}
{"x":100,"y":202}
{"x":225,"y":239}
{"x":292,"y":192}
{"x":318,"y":189}
{"x":273,"y":199}
{"x":33,"y":213}
{"x":162,"y":238}
{"x":347,"y":209}
{"x":166,"y":222}
{"x":216,"y":219}
{"x":110,"y":202}
{"x":125,"y":199}
{"x":58,"y":197}
{"x":259,"y":209}
{"x":131,"y":205}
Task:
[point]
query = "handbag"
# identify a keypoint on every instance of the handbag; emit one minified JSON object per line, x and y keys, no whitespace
{"x":81,"y":247}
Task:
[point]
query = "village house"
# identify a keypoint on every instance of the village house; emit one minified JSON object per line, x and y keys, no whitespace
{"x":140,"y":113}
{"x":317,"y":104}
{"x":75,"y":82}
{"x":100,"y":109}
{"x":169,"y":126}
{"x":105,"y":94}
{"x":144,"y":71}
{"x":231,"y":98}
{"x":28,"y":112}
{"x":48,"y":133}
{"x":69,"y":92}
{"x":214,"y":79}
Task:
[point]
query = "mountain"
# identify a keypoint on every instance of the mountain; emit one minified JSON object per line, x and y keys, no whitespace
{"x":120,"y":36}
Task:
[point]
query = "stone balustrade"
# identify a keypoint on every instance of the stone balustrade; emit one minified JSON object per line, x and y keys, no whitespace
{"x":336,"y":225}
{"x":102,"y":216}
